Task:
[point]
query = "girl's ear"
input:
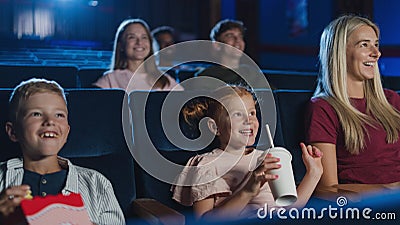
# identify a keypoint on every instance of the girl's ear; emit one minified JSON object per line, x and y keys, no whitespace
{"x":10,"y":130}
{"x":212,"y":126}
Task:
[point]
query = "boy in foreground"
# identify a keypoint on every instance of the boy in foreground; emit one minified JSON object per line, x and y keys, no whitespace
{"x":38,"y":120}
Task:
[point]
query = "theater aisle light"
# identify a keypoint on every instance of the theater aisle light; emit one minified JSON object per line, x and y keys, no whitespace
{"x":93,"y":3}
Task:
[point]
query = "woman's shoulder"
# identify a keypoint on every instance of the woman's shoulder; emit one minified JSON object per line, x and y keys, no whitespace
{"x":318,"y":100}
{"x":113,"y":79}
{"x":111,"y":72}
{"x":320,"y":107}
{"x":392,"y":97}
{"x":390,"y":93}
{"x":108,"y":75}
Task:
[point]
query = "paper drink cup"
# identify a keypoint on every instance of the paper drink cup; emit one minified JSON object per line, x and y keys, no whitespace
{"x":283,"y":188}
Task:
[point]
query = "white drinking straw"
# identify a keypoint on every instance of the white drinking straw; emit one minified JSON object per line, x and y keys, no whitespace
{"x":269,"y":136}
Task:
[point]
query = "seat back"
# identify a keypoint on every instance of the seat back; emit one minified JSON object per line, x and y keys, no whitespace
{"x":291,"y":106}
{"x":96,"y":139}
{"x":12,"y":75}
{"x":391,"y":82}
{"x":159,"y":131}
{"x":150,"y":143}
{"x":184,"y":74}
{"x":9,"y":149}
{"x":87,"y":76}
{"x":281,"y":79}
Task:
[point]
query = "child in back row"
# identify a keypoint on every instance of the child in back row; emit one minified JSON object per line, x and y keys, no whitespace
{"x":227,"y":182}
{"x":39,"y":122}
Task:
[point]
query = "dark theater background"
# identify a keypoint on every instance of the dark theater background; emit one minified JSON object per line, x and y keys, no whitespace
{"x":280,"y":34}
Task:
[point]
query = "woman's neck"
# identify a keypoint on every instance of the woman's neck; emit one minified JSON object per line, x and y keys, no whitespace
{"x":134,"y":65}
{"x":355,"y":89}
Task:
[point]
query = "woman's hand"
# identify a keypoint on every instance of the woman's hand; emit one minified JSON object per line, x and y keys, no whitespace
{"x":11,"y":198}
{"x":261,"y":175}
{"x":312,"y":159}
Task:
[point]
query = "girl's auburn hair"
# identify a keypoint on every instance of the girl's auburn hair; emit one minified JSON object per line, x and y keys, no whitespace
{"x":211,"y":106}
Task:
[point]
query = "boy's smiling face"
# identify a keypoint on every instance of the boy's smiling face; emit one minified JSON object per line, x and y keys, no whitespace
{"x":42,"y":125}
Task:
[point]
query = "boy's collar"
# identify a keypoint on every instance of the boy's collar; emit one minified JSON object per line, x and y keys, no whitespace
{"x":16,"y":163}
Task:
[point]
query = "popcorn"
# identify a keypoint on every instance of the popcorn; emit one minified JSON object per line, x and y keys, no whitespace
{"x":28,"y":195}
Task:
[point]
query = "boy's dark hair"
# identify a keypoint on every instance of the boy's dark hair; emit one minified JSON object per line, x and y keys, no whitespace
{"x":28,"y":88}
{"x":225,"y":25}
{"x":162,"y":30}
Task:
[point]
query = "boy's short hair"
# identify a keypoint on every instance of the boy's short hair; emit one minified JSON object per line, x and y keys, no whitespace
{"x":162,"y":30}
{"x":225,"y":25}
{"x":159,"y":31}
{"x":28,"y":88}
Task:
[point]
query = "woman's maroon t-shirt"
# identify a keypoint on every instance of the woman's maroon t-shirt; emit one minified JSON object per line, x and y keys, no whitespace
{"x":379,"y":162}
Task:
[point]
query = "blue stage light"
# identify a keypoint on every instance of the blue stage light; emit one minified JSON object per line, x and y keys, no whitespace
{"x":93,"y":3}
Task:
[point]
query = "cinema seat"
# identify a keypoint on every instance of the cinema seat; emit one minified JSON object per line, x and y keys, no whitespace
{"x":87,"y":76}
{"x":12,"y":75}
{"x":9,"y":149}
{"x":391,"y":82}
{"x":96,"y":139}
{"x":293,"y":80}
{"x":291,"y":106}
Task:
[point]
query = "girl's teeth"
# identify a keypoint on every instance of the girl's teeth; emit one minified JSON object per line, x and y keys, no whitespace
{"x":245,"y":132}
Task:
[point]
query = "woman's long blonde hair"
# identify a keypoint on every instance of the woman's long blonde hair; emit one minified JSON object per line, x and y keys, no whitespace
{"x":332,"y":86}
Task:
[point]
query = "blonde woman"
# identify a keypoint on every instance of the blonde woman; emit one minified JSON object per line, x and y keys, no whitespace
{"x":351,"y":118}
{"x":132,"y":47}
